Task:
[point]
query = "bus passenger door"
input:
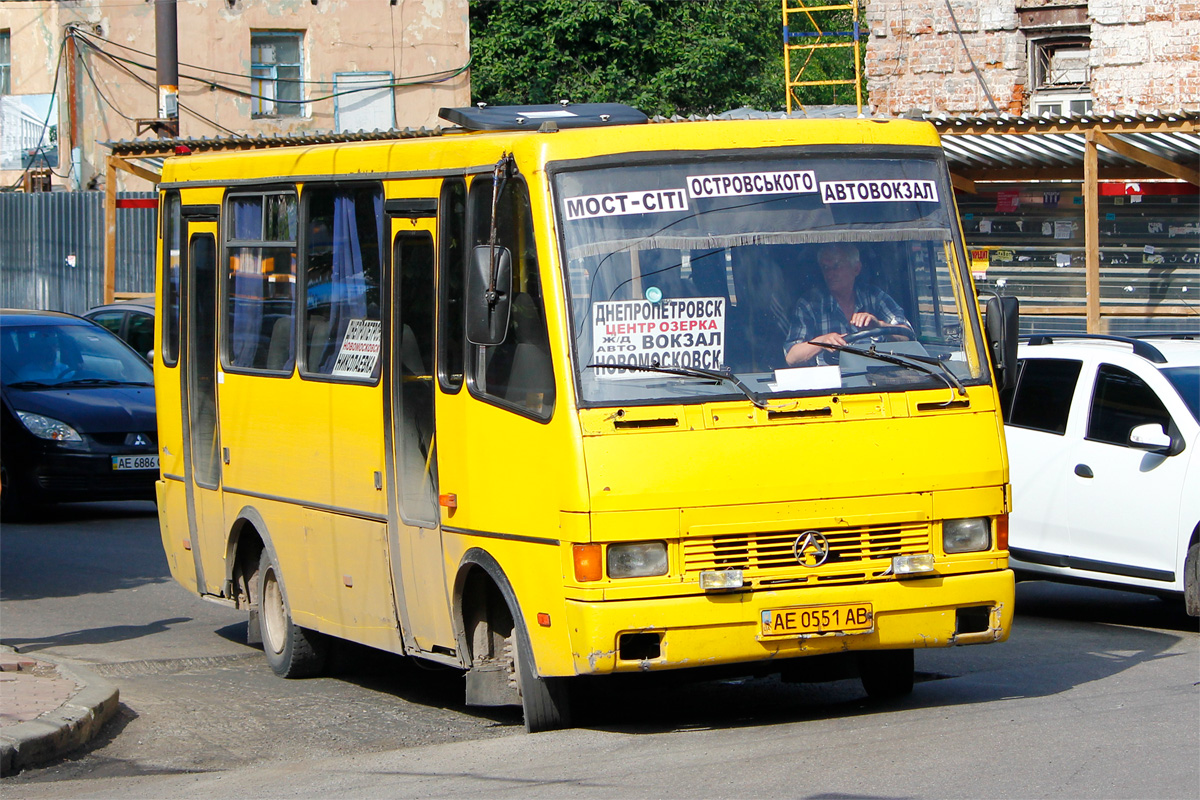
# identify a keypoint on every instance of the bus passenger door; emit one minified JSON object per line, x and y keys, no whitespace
{"x":414,"y":536}
{"x":201,"y":439}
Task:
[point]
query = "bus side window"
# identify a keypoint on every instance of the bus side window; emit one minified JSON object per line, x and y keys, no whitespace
{"x":412,"y":262}
{"x":343,"y":245}
{"x":452,"y":234}
{"x":172,"y":224}
{"x":260,"y":291}
{"x":518,"y":371}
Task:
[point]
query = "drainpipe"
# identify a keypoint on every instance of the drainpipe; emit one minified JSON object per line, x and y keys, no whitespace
{"x":166,"y":34}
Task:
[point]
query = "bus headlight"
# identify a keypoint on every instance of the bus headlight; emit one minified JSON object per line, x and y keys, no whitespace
{"x":638,"y":560}
{"x":966,"y":535}
{"x":49,"y":428}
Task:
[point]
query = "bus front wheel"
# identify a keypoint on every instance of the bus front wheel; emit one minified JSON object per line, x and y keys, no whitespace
{"x":292,"y":651}
{"x":545,"y":701}
{"x":886,"y":674}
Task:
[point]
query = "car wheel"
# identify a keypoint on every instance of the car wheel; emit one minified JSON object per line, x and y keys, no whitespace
{"x":292,"y":651}
{"x":14,"y":503}
{"x":1191,"y":580}
{"x":886,"y":674}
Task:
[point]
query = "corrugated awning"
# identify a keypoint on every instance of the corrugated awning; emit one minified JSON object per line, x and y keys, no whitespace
{"x":1018,"y":148}
{"x":150,"y":148}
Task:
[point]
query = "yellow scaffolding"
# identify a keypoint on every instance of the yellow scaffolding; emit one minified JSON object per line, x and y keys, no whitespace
{"x":818,"y":39}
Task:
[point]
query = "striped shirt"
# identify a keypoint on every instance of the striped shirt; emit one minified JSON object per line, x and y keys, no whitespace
{"x":817,"y":313}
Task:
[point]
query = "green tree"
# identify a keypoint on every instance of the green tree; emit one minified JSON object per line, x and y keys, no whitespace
{"x":680,"y":57}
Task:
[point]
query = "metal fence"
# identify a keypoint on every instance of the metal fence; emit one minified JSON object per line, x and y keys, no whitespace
{"x":52,"y":249}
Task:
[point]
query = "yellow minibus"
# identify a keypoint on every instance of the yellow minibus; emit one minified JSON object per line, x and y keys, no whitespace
{"x":560,"y":391}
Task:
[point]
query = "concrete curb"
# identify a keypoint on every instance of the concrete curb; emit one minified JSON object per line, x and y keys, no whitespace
{"x":58,"y":732}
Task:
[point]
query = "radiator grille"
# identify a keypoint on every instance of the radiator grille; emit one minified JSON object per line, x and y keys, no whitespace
{"x":767,"y":558}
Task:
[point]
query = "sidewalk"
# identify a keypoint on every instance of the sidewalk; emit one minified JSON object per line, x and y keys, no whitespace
{"x":48,"y":707}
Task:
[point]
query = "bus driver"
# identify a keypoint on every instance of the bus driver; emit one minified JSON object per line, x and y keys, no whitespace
{"x":829,"y":313}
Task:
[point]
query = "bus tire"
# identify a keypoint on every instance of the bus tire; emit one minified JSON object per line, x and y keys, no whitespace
{"x":292,"y":651}
{"x":544,"y":701}
{"x":886,"y":674}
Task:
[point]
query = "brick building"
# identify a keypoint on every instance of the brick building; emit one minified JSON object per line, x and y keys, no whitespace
{"x":1035,"y":56}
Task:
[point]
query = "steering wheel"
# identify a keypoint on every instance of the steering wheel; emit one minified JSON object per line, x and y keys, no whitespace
{"x":878,"y":334}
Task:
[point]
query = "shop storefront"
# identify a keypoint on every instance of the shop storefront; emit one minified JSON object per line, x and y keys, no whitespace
{"x":1023,"y":194}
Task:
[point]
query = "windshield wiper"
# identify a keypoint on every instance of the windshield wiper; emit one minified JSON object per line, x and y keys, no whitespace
{"x":31,"y":385}
{"x":905,"y":360}
{"x":725,"y":376}
{"x":102,"y":382}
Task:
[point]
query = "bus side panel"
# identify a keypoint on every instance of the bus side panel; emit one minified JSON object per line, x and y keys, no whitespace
{"x":267,"y":426}
{"x":173,"y":527}
{"x":345,"y":566}
{"x":294,"y":546}
{"x":355,"y":437}
{"x":509,"y":472}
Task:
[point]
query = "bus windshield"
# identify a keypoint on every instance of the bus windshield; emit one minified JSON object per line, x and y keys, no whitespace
{"x":680,"y":269}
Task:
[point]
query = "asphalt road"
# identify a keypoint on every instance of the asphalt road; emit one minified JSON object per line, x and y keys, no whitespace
{"x":1095,"y":695}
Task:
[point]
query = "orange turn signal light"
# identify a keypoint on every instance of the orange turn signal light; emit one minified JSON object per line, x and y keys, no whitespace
{"x":589,"y":564}
{"x":1002,"y":532}
{"x":543,"y":619}
{"x":448,"y":500}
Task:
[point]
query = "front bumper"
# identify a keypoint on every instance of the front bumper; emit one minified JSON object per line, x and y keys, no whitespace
{"x":63,"y":477}
{"x":720,"y":629}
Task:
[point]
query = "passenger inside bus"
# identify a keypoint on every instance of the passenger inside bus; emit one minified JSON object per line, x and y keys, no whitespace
{"x":837,"y":307}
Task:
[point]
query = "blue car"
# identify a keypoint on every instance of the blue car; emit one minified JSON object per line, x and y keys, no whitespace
{"x":78,"y":420}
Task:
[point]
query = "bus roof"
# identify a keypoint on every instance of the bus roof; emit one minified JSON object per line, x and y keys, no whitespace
{"x":460,"y":150}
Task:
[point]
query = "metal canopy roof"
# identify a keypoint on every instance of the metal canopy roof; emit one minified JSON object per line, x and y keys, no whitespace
{"x":1008,"y":147}
{"x":148,"y":148}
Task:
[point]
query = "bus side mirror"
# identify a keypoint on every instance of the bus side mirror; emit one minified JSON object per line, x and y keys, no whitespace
{"x":487,"y":310}
{"x":1000,"y":322}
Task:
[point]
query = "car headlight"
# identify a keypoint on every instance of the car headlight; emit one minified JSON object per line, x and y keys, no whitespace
{"x":967,"y":535}
{"x":49,"y":428}
{"x":638,"y":560}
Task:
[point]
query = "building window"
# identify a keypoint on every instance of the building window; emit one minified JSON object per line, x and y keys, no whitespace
{"x":5,"y":63}
{"x":276,"y":74}
{"x":1062,"y":75}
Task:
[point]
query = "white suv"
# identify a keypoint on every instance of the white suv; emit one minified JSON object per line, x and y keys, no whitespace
{"x":1103,"y":434}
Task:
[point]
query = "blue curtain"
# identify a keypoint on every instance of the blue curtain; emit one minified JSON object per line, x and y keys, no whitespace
{"x":247,"y":294}
{"x":348,"y":286}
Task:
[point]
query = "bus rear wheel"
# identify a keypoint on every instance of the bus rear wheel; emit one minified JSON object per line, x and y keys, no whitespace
{"x":292,"y":651}
{"x":886,"y":674}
